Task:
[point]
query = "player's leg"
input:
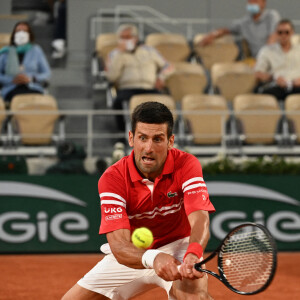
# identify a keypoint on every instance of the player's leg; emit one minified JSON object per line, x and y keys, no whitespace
{"x":187,"y":289}
{"x":79,"y":293}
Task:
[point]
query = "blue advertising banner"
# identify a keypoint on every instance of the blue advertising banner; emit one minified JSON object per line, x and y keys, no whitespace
{"x":59,"y":213}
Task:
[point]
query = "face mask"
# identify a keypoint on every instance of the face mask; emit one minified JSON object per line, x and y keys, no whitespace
{"x":130,"y":45}
{"x":253,"y":9}
{"x":21,"y":38}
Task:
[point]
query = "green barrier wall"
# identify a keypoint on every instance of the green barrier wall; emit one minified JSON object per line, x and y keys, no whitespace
{"x":58,"y":213}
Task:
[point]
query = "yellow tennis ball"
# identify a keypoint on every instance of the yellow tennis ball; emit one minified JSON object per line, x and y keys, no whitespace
{"x":142,"y":237}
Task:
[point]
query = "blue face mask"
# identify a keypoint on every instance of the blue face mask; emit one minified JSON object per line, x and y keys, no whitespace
{"x":253,"y":9}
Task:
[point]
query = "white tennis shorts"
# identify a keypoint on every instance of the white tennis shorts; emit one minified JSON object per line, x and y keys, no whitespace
{"x":119,"y":282}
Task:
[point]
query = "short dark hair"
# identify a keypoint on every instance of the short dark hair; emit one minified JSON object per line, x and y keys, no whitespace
{"x":152,"y":113}
{"x":31,"y":35}
{"x":286,"y":21}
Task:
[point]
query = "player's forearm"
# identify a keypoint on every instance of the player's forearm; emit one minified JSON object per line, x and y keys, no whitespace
{"x":123,"y":250}
{"x":199,"y":221}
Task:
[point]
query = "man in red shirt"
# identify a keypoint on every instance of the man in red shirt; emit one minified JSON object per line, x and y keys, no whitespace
{"x":160,"y":188}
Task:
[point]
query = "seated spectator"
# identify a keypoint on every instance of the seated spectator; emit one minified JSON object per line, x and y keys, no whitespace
{"x":278,"y":65}
{"x":256,"y":28}
{"x":134,"y":69}
{"x":23,"y":66}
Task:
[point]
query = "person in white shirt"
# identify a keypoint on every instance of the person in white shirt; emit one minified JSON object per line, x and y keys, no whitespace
{"x":278,"y":65}
{"x":134,"y":69}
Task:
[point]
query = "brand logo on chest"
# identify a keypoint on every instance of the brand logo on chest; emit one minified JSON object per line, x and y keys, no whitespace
{"x":171,"y":194}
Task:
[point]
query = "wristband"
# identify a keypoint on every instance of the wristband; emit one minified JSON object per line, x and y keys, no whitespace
{"x":194,"y":248}
{"x":149,"y":257}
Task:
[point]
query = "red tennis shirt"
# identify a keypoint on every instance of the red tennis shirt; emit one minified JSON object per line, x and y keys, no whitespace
{"x":130,"y":201}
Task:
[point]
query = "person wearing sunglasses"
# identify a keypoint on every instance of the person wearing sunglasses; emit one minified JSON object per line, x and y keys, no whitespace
{"x":278,"y":65}
{"x":256,"y":28}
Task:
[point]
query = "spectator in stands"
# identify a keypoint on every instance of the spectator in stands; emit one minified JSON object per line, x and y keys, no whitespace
{"x":134,"y":69}
{"x":278,"y":65}
{"x":23,"y":66}
{"x":256,"y":28}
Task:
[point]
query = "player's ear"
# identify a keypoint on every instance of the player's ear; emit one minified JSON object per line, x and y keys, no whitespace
{"x":130,"y":139}
{"x":171,"y":142}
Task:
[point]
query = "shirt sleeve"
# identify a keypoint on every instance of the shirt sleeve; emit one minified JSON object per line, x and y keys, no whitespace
{"x":113,"y":202}
{"x":44,"y":71}
{"x":262,"y":62}
{"x":114,"y":65}
{"x":4,"y":79}
{"x":194,"y":188}
{"x":235,"y":27}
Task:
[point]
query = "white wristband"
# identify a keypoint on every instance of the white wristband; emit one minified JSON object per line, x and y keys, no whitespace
{"x":148,"y":258}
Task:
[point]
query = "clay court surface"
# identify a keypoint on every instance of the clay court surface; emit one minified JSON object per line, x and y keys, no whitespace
{"x":39,"y":277}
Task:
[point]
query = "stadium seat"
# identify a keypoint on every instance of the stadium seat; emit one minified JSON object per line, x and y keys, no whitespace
{"x":258,"y":118}
{"x":165,"y":99}
{"x":173,"y":47}
{"x":223,"y":49}
{"x":4,"y":39}
{"x":105,"y":43}
{"x":206,"y":128}
{"x":292,"y":105}
{"x":34,"y":128}
{"x":187,"y":78}
{"x":232,"y":78}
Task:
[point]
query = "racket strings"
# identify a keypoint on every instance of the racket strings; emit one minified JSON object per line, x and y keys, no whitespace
{"x":247,"y":260}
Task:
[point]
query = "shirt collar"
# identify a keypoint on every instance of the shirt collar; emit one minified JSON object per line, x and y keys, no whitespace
{"x":135,"y":175}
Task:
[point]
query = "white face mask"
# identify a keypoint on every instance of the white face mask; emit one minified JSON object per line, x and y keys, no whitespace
{"x":21,"y":38}
{"x":130,"y":45}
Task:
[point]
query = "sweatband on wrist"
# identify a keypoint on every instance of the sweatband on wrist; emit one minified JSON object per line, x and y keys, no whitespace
{"x":149,"y":257}
{"x":194,"y":248}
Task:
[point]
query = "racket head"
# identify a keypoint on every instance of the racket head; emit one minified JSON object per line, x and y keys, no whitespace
{"x":247,"y":259}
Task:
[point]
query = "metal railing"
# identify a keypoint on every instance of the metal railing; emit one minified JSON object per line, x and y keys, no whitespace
{"x":230,"y":142}
{"x":156,"y":20}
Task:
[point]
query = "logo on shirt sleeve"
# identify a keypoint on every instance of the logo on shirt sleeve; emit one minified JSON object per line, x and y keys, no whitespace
{"x":113,"y":217}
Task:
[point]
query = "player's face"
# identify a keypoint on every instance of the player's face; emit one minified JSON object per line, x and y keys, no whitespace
{"x":151,"y":144}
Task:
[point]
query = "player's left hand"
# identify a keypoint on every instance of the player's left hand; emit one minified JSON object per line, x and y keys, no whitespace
{"x":165,"y":267}
{"x":187,"y":269}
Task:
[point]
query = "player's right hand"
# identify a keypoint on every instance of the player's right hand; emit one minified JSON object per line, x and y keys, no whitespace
{"x":187,"y":269}
{"x":165,"y":266}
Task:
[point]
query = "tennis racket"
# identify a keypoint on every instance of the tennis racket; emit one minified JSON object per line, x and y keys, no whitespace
{"x":247,"y":259}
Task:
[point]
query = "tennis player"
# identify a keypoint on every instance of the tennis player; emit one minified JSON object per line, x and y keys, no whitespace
{"x":161,"y":188}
